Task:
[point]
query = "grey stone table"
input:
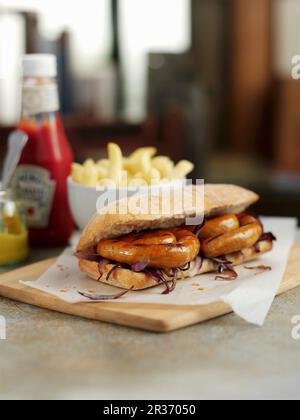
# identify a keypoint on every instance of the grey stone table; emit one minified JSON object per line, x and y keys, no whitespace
{"x":55,"y":356}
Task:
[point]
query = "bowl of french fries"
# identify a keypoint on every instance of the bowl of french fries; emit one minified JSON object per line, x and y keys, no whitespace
{"x":120,"y":176}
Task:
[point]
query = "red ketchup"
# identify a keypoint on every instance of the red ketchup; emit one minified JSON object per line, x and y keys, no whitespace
{"x":40,"y":180}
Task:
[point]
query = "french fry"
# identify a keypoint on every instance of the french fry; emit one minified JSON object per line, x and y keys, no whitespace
{"x":138,"y":175}
{"x":102,"y":172}
{"x":153,"y":176}
{"x":104,"y":163}
{"x":164,"y":164}
{"x":182,"y":169}
{"x":89,"y":163}
{"x":77,"y":173}
{"x":139,"y":169}
{"x":90,"y":176}
{"x":124,"y":179}
{"x":136,"y":156}
{"x":131,"y":166}
{"x":137,"y":183}
{"x":116,"y":162}
{"x":106,"y":182}
{"x":146,"y":165}
{"x":131,"y":169}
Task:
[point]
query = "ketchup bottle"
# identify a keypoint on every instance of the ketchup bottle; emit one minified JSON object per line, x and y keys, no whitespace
{"x":45,"y":164}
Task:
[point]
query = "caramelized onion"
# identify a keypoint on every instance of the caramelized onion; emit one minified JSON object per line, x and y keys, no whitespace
{"x":268,"y":236}
{"x":140,"y":266}
{"x":225,"y":270}
{"x":96,"y":297}
{"x":197,"y":267}
{"x":116,"y":267}
{"x":159,"y":276}
{"x":261,"y":268}
{"x":228,"y":276}
{"x":186,"y":267}
{"x":198,"y":228}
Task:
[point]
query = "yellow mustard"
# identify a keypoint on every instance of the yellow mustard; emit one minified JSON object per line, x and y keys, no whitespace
{"x":13,"y":232}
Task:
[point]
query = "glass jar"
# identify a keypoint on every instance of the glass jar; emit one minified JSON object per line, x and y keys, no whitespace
{"x":13,"y":231}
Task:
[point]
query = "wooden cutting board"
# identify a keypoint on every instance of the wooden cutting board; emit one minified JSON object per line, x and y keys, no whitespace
{"x":158,"y":318}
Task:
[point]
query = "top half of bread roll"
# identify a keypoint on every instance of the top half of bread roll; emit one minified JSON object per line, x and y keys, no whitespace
{"x":217,"y":199}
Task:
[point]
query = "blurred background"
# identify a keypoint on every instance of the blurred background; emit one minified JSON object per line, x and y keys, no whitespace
{"x":207,"y":80}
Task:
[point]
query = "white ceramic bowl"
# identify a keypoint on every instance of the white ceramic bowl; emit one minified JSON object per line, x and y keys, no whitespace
{"x":83,"y":200}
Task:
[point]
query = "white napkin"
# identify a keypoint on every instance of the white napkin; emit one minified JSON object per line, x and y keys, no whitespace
{"x":250,"y":296}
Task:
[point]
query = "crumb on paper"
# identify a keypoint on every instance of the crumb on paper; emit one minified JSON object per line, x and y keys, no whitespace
{"x":66,"y":288}
{"x":196,"y":284}
{"x":62,"y":267}
{"x":200,"y":289}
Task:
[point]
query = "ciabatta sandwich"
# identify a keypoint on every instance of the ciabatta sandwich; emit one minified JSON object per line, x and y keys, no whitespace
{"x":139,"y":251}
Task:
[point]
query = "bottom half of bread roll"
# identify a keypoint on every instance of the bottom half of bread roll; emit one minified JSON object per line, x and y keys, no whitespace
{"x":127,"y":279}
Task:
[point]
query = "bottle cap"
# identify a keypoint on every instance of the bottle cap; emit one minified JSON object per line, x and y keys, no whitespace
{"x":39,"y":65}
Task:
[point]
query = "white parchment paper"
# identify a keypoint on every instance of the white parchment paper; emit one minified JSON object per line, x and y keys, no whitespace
{"x":250,"y":296}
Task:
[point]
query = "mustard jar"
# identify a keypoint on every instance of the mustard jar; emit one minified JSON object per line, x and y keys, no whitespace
{"x":13,"y":231}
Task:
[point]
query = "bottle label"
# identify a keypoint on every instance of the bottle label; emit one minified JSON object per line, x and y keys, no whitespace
{"x":35,"y":188}
{"x":39,"y":99}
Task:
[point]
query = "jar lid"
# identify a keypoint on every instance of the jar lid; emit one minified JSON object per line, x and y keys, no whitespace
{"x":39,"y":65}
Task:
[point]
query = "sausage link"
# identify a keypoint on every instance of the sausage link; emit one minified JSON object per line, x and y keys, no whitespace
{"x":244,"y":237}
{"x":219,"y":226}
{"x":247,"y":219}
{"x":149,"y":247}
{"x":161,"y":237}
